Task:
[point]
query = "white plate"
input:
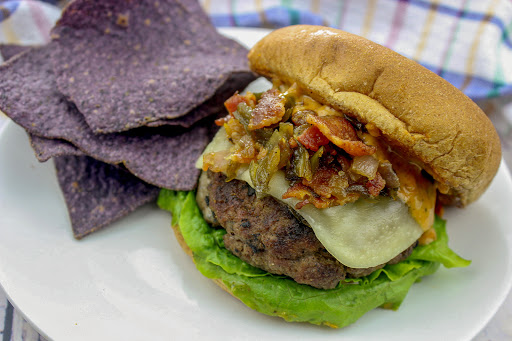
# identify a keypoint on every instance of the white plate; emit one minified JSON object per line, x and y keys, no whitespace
{"x":131,"y":281}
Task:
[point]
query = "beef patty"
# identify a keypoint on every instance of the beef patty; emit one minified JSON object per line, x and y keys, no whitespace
{"x":266,"y":234}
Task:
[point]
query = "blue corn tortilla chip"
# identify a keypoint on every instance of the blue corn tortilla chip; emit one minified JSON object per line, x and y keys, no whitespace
{"x":47,"y":148}
{"x":10,"y":50}
{"x":163,"y":157}
{"x":127,"y":64}
{"x":237,"y":80}
{"x":98,"y":194}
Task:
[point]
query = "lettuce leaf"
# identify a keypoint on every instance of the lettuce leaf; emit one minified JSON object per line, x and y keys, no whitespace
{"x":281,"y":296}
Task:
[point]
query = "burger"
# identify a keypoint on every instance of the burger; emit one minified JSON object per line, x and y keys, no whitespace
{"x":321,"y":198}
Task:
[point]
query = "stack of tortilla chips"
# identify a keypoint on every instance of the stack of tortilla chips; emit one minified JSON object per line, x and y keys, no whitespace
{"x":123,"y":98}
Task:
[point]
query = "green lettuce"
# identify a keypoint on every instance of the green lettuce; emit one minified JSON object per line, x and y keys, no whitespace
{"x":281,"y":296}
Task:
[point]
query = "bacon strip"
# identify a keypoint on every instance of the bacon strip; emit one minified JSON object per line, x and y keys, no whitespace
{"x":269,"y":110}
{"x":375,"y":185}
{"x":312,"y":138}
{"x":306,"y":194}
{"x":232,"y":102}
{"x":323,"y":181}
{"x":340,"y":132}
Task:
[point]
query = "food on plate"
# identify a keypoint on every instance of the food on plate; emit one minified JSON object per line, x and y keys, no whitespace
{"x":113,"y":85}
{"x":7,"y":51}
{"x":45,"y":149}
{"x":321,"y":197}
{"x":44,"y":112}
{"x":98,"y":193}
{"x":162,"y":58}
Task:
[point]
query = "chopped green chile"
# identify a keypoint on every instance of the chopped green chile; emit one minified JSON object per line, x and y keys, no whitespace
{"x":262,"y":170}
{"x":297,"y":131}
{"x":287,"y":114}
{"x":232,"y":170}
{"x":299,"y":117}
{"x":262,"y":135}
{"x":286,"y":129}
{"x":290,"y":101}
{"x":286,"y":132}
{"x":288,"y":105}
{"x":315,"y":159}
{"x":300,"y":163}
{"x":243,"y":114}
{"x":287,"y":144}
{"x":258,"y":95}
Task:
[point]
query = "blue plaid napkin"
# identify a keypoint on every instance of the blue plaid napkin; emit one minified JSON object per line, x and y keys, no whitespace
{"x":469,"y":43}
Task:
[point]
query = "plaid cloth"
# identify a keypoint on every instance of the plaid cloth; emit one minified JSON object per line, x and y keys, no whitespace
{"x":468,"y":42}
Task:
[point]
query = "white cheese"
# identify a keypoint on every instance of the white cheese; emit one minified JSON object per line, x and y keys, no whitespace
{"x":362,"y":234}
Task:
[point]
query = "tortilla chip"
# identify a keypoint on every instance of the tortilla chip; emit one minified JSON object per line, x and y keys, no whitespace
{"x":164,"y":157}
{"x":127,"y":64}
{"x":98,"y":194}
{"x":10,"y":50}
{"x":213,"y":106}
{"x":47,"y":148}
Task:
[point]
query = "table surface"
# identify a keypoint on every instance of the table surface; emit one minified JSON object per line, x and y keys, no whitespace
{"x":13,"y":326}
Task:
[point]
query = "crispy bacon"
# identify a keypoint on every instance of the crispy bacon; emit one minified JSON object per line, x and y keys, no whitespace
{"x":324,"y":181}
{"x":269,"y":110}
{"x":223,"y":120}
{"x":340,"y":132}
{"x":326,"y":176}
{"x":306,"y":195}
{"x":375,"y":185}
{"x":312,"y":138}
{"x":232,"y":102}
{"x":293,"y":143}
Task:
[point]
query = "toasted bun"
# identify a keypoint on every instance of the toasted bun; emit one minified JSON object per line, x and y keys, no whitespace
{"x":419,"y":114}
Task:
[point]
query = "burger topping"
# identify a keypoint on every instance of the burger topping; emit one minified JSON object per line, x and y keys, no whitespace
{"x":269,"y":110}
{"x":289,"y":131}
{"x":327,"y":161}
{"x":340,"y":132}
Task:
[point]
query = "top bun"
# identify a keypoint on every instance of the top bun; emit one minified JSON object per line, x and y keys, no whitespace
{"x":419,"y":114}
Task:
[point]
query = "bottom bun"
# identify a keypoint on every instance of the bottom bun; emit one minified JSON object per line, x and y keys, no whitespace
{"x":184,"y":246}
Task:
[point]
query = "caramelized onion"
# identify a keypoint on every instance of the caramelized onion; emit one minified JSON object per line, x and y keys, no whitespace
{"x":389,"y":175}
{"x":365,"y":165}
{"x":340,"y":132}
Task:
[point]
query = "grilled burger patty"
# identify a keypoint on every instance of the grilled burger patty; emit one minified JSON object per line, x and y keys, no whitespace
{"x":266,"y":234}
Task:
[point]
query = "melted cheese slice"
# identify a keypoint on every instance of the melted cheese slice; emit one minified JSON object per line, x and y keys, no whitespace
{"x":362,"y":234}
